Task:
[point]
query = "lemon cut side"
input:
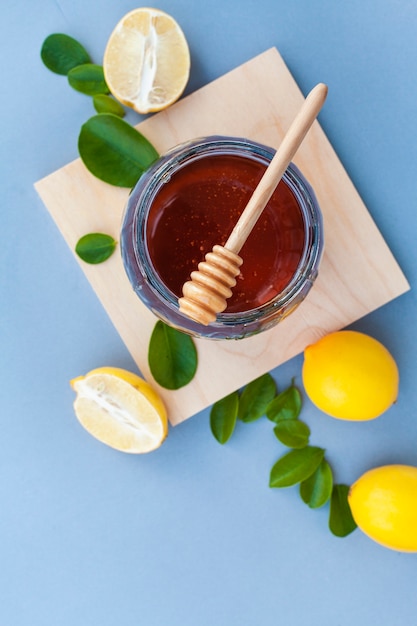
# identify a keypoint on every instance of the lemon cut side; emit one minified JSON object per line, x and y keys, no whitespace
{"x":147,"y":60}
{"x":120,"y":409}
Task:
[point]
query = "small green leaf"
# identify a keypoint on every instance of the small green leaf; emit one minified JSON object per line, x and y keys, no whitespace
{"x":106,"y":104}
{"x":95,"y":247}
{"x":172,"y":356}
{"x":60,"y":53}
{"x":286,"y":406}
{"x":114,"y":151}
{"x":88,"y":78}
{"x":255,"y":398}
{"x":317,"y":489}
{"x":341,"y":522}
{"x":223,"y":417}
{"x":295,"y":466}
{"x":292,"y":433}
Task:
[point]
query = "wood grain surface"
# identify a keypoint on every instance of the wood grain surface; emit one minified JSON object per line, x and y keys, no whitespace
{"x":358,"y":274}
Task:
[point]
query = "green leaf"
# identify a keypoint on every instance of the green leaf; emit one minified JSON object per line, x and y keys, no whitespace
{"x":295,"y":466}
{"x":114,"y":151}
{"x":172,"y":356}
{"x":341,"y":522}
{"x":60,"y":53}
{"x":88,"y":78}
{"x":317,"y":489}
{"x":286,"y":406}
{"x":223,"y":416}
{"x":95,"y":247}
{"x":292,"y":433}
{"x":106,"y":104}
{"x":255,"y":398}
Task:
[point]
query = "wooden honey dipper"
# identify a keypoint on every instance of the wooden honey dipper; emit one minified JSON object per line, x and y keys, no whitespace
{"x":205,"y":295}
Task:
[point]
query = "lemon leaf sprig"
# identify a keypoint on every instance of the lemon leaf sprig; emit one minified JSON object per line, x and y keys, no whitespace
{"x":303,"y":465}
{"x":111,"y":149}
{"x":306,"y":465}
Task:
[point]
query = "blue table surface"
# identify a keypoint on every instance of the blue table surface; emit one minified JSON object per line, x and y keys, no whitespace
{"x":191,"y":535}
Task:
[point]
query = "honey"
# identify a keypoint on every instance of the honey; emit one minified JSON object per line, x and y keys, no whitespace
{"x":198,"y":209}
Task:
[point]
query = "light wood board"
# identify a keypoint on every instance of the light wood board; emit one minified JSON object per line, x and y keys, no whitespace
{"x":358,"y":274}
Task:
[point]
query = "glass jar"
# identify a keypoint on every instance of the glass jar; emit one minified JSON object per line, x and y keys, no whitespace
{"x":142,"y":217}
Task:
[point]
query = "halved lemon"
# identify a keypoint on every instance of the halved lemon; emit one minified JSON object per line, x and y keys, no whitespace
{"x":147,"y":60}
{"x":120,"y":409}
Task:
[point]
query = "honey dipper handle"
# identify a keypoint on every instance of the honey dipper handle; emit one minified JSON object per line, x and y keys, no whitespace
{"x":275,"y":170}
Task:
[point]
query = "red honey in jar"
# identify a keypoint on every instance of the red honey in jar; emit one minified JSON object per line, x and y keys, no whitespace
{"x":199,"y":209}
{"x":189,"y":201}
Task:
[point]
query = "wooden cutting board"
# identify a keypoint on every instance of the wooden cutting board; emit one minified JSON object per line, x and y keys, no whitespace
{"x":358,"y":274}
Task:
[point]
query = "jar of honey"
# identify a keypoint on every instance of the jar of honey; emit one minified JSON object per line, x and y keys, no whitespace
{"x":188,"y":201}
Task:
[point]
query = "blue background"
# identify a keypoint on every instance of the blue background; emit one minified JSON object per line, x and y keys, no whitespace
{"x":191,"y":534}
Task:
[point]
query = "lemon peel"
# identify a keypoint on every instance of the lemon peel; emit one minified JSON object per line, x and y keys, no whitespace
{"x":350,"y":375}
{"x":383,"y":502}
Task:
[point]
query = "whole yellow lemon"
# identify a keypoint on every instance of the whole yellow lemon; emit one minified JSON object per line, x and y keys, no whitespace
{"x":383,"y":502}
{"x":350,"y":375}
